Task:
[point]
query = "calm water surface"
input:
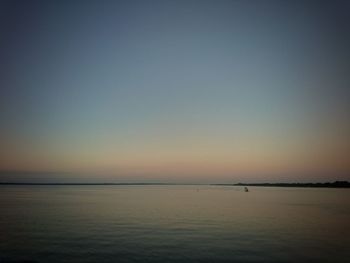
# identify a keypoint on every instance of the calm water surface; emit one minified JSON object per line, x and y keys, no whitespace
{"x":173,"y":224}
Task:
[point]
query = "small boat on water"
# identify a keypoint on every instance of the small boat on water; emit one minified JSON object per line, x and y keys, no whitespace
{"x":246,"y":189}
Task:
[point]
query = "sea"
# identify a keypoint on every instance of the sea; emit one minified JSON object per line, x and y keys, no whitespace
{"x":173,"y":223}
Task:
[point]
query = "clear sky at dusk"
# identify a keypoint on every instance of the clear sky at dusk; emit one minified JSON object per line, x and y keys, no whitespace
{"x":183,"y":91}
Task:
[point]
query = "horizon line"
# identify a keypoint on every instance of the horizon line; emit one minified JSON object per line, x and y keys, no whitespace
{"x":334,"y":184}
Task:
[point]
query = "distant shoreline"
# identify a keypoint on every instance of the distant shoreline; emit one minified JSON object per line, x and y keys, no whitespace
{"x":336,"y":184}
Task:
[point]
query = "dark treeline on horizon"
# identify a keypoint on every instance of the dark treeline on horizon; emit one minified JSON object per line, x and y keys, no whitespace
{"x":336,"y":184}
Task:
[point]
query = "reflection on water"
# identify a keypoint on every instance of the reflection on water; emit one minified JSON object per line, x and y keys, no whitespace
{"x":173,"y":224}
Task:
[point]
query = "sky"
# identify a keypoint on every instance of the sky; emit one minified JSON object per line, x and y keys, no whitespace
{"x":174,"y":91}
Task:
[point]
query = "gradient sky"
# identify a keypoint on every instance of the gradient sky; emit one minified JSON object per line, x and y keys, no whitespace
{"x":183,"y":91}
